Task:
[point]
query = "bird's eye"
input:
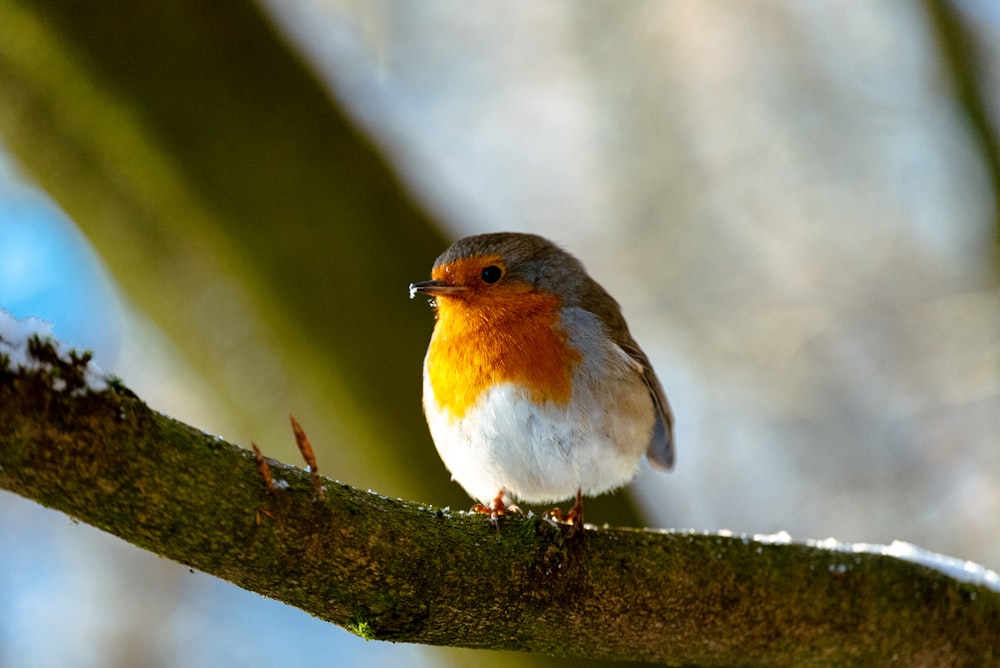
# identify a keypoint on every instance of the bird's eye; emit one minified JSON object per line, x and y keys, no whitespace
{"x":492,"y":274}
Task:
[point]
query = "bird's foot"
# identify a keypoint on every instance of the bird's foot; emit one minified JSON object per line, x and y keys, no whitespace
{"x":575,"y":514}
{"x":496,"y":509}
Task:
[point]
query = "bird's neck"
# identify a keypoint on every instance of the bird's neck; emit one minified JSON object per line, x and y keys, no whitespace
{"x":519,"y":341}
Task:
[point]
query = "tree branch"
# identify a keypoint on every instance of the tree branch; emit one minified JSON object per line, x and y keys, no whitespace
{"x":394,"y":570}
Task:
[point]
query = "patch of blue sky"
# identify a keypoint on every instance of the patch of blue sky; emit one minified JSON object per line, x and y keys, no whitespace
{"x":49,"y":270}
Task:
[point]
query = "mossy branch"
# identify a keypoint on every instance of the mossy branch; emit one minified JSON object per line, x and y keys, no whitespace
{"x":393,"y":570}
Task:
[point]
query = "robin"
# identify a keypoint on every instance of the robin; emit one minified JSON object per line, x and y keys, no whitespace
{"x":534,"y":390}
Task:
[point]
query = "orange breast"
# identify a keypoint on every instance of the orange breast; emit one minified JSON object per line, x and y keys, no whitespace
{"x":515,"y":338}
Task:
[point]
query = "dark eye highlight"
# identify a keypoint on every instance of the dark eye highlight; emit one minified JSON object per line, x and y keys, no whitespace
{"x":491,"y":274}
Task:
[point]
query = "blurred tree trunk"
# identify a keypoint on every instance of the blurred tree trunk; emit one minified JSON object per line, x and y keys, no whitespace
{"x":235,"y":204}
{"x":962,"y":57}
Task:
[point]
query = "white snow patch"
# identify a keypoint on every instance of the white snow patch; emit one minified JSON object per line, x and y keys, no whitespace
{"x":14,"y":337}
{"x":780,"y":538}
{"x":959,"y":569}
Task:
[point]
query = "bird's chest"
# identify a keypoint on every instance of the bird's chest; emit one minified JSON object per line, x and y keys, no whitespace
{"x":475,"y":349}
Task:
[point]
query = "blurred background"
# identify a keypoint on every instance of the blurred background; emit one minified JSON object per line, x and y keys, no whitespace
{"x":795,"y":203}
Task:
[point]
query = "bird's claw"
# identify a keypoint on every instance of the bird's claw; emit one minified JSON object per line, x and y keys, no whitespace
{"x":574,"y":516}
{"x":496,"y":509}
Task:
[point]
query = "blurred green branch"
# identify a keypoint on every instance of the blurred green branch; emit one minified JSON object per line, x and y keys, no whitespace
{"x":398,"y":571}
{"x":962,"y":62}
{"x":237,"y":206}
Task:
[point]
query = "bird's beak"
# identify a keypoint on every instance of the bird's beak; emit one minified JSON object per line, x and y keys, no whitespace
{"x":433,"y":288}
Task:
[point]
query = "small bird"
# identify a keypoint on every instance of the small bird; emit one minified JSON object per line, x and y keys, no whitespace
{"x":534,"y":390}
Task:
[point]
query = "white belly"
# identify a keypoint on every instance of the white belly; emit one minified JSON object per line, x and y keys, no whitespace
{"x":543,"y":454}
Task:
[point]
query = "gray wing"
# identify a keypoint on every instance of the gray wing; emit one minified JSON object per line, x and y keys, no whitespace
{"x":661,"y":445}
